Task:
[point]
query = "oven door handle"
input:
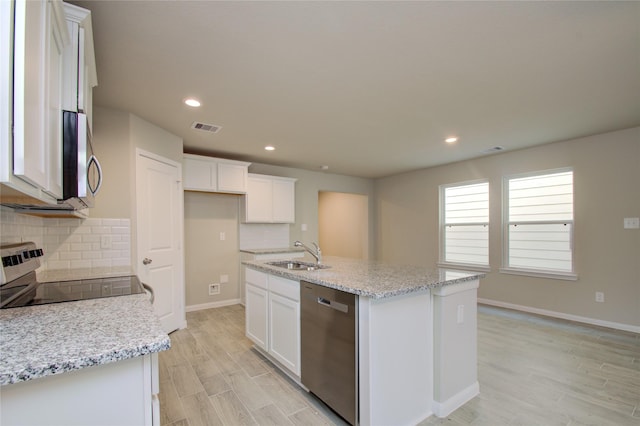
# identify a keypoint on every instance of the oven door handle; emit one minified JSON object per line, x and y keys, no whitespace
{"x":149,"y":290}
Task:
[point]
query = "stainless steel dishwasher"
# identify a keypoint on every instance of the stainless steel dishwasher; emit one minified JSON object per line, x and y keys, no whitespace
{"x":329,"y":335}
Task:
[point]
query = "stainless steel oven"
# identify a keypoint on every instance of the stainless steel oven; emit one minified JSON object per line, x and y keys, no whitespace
{"x":19,"y":286}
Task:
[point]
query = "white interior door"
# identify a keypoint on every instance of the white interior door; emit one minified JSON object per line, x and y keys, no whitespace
{"x":159,"y":228}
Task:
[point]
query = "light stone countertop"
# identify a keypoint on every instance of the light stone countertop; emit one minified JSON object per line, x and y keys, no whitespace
{"x":38,"y":341}
{"x":274,"y":250}
{"x":372,"y":279}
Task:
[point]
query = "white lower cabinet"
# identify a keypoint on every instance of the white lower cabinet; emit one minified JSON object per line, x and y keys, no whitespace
{"x":118,"y":393}
{"x":273,"y":317}
{"x":257,"y":308}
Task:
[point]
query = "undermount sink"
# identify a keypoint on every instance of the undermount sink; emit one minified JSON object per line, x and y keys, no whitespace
{"x":295,"y":265}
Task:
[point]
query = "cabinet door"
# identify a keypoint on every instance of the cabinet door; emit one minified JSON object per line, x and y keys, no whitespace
{"x":39,"y":41}
{"x":259,"y":200}
{"x":284,"y":331}
{"x":256,"y":307}
{"x":6,"y":87}
{"x":29,"y":142}
{"x":53,"y":114}
{"x":199,"y":175}
{"x":232,"y":178}
{"x":284,"y":206}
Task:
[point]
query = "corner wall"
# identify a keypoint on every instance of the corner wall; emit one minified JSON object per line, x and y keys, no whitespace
{"x":607,"y":257}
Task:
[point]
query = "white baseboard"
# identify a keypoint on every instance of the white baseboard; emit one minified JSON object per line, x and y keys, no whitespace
{"x":443,"y":409}
{"x":561,"y":315}
{"x":202,"y":306}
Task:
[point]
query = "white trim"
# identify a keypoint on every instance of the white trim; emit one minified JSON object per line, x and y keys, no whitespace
{"x":199,"y":307}
{"x":561,"y":315}
{"x":465,"y":266}
{"x":443,"y":409}
{"x":567,"y":276}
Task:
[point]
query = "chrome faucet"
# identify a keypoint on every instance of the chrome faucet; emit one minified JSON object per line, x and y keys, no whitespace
{"x":317,"y":253}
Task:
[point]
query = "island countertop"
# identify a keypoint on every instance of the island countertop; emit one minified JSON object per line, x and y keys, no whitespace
{"x":38,"y":341}
{"x":376,"y":280}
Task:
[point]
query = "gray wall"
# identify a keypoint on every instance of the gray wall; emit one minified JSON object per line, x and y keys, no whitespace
{"x":607,"y":257}
{"x":112,"y":147}
{"x":205,"y":216}
{"x":116,"y":135}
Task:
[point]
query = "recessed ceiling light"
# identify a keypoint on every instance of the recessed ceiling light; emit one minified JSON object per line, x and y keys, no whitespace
{"x":324,"y":167}
{"x":192,"y":102}
{"x":269,"y":148}
{"x":451,"y":139}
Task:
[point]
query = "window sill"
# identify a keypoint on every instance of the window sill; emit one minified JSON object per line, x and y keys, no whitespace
{"x":567,"y":276}
{"x":465,"y":267}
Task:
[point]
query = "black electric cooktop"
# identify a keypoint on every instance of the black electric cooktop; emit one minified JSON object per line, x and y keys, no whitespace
{"x":29,"y":292}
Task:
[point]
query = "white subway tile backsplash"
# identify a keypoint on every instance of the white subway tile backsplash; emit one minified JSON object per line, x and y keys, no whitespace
{"x":77,"y":264}
{"x":262,"y":236}
{"x":121,"y":261}
{"x":90,"y":238}
{"x":101,"y":263}
{"x":70,"y":243}
{"x":68,"y":255}
{"x":81,"y":247}
{"x":87,"y":255}
{"x":58,"y":264}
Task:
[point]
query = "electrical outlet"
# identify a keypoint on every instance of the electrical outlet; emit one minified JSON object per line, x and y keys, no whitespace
{"x":631,"y":222}
{"x":214,"y":289}
{"x":460,"y":314}
{"x":105,"y":242}
{"x":224,"y":279}
{"x":599,"y":296}
{"x":223,"y":236}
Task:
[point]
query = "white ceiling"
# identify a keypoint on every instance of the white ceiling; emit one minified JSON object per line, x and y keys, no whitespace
{"x":370,"y":88}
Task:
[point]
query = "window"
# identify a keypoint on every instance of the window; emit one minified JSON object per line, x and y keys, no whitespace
{"x":464,"y":224}
{"x":539,"y":224}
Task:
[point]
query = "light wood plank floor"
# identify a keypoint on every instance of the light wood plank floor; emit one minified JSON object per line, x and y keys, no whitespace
{"x":532,"y":371}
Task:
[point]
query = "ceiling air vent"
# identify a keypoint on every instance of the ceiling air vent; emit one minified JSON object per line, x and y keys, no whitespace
{"x":492,"y":150}
{"x":211,"y":128}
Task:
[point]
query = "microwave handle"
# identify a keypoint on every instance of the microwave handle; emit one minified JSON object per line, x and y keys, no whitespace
{"x":94,"y":160}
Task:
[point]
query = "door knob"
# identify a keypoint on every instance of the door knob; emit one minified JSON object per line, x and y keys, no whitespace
{"x":146,"y":261}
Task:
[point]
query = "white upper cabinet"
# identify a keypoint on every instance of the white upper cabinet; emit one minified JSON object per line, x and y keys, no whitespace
{"x":79,"y":62}
{"x":269,"y":199}
{"x":39,"y":39}
{"x":210,"y":174}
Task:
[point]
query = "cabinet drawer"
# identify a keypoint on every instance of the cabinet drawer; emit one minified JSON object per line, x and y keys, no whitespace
{"x":284,"y":287}
{"x":259,"y":279}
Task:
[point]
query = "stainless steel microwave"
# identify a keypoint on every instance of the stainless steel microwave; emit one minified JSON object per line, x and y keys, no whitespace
{"x":81,"y":171}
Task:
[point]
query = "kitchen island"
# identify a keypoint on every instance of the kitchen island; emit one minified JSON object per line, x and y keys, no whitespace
{"x":89,"y":361}
{"x":416,"y":328}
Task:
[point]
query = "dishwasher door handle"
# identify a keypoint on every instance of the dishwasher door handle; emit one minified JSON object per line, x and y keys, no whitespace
{"x":333,"y":305}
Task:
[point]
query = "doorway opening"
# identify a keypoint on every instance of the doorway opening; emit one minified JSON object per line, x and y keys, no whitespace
{"x":343,"y":224}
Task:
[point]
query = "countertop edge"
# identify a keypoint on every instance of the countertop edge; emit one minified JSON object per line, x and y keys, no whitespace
{"x":94,"y":339}
{"x":32,"y":373}
{"x":315,"y":277}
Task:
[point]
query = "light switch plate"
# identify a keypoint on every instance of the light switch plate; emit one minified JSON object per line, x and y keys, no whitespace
{"x":631,"y":222}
